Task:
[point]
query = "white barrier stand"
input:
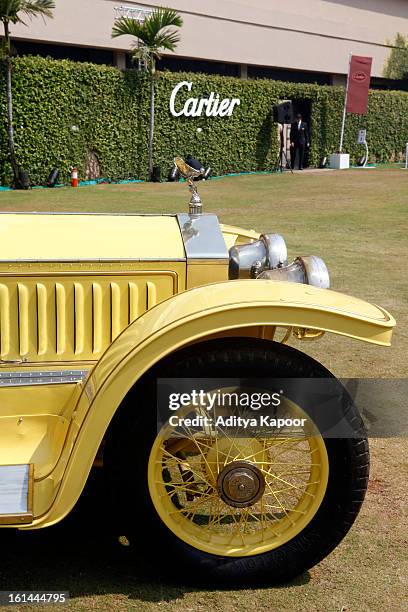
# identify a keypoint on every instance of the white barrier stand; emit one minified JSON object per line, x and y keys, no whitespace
{"x":362,"y":139}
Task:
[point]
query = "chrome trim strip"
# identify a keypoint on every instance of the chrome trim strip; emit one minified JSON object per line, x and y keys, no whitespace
{"x":203,"y":262}
{"x":95,"y":214}
{"x":55,"y":377}
{"x":96,"y":260}
{"x":202,"y":237}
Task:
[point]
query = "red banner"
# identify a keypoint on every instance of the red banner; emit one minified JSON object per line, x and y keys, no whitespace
{"x":358,"y":84}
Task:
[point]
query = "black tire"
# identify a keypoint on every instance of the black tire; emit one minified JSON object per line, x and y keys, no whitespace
{"x":133,"y":431}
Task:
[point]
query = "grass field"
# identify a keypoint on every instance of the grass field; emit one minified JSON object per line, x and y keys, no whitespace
{"x":357,"y":221}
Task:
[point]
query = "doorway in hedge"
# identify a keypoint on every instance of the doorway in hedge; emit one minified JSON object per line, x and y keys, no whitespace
{"x":304,"y":107}
{"x":92,"y":166}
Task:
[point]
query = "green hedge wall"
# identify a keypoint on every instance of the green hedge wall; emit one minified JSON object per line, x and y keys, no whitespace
{"x":111,"y":110}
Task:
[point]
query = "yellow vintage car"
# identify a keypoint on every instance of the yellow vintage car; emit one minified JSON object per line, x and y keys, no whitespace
{"x":95,"y":309}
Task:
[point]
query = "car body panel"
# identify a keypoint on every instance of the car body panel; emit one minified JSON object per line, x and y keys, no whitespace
{"x":90,"y":302}
{"x":234,"y":235}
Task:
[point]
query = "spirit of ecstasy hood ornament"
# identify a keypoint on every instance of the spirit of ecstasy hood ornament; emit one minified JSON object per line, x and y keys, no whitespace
{"x":190,"y":171}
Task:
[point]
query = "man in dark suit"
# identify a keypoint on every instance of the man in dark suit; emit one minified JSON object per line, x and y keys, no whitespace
{"x":299,"y":140}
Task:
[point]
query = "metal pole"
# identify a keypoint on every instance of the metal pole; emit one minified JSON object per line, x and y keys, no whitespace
{"x":344,"y":109}
{"x":406,"y":156}
{"x":366,"y":159}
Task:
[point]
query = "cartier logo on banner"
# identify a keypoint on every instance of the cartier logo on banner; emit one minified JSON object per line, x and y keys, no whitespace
{"x":358,"y":84}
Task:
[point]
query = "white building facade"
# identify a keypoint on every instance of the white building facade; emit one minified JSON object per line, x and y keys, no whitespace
{"x":306,"y":40}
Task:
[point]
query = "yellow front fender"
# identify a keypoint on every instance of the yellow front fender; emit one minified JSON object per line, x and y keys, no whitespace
{"x":180,"y":320}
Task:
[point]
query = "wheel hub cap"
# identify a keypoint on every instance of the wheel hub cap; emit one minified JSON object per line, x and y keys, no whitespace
{"x":240,"y":484}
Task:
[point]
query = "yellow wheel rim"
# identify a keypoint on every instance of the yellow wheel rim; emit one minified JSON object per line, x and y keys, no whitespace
{"x":191,"y":477}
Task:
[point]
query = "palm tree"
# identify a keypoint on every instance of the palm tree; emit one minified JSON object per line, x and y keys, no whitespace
{"x":155,"y":33}
{"x":11,"y":12}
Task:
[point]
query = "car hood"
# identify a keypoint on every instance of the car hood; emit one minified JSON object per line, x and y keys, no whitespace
{"x":73,"y":237}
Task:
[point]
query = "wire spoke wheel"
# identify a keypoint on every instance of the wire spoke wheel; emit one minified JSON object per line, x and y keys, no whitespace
{"x":235,"y":496}
{"x":226,"y":504}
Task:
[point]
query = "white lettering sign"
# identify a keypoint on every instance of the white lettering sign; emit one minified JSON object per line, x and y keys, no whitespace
{"x":195,"y":107}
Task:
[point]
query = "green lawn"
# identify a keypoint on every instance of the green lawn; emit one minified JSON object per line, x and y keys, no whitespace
{"x":357,"y":221}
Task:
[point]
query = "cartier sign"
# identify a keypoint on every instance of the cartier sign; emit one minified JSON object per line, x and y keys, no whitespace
{"x":196,"y":107}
